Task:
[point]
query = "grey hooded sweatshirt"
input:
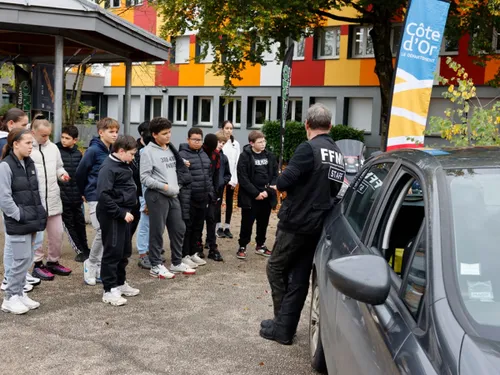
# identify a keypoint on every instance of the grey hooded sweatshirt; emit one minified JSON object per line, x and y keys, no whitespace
{"x":158,"y":167}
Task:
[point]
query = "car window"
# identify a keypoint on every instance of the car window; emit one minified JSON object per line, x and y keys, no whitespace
{"x":416,"y":280}
{"x":365,"y":194}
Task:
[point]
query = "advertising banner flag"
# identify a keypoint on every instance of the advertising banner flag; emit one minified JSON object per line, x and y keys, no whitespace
{"x":416,"y":63}
{"x":23,"y":90}
{"x":43,"y":87}
{"x":286,"y":80}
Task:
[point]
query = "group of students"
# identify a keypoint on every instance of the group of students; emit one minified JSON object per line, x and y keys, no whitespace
{"x":145,"y":185}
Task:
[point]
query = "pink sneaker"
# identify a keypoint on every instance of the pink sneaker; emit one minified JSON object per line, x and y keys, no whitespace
{"x":43,"y":273}
{"x":58,"y":269}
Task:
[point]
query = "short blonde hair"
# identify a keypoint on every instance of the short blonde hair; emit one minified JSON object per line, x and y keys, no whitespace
{"x":220,"y":136}
{"x":108,"y":123}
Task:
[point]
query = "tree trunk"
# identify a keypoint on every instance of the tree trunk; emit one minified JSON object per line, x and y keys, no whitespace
{"x":76,"y":95}
{"x":381,"y":36}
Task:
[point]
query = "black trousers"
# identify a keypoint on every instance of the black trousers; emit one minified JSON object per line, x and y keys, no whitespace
{"x":74,"y":223}
{"x":210,"y":219}
{"x":218,"y":207}
{"x":194,"y":228}
{"x":260,"y":212}
{"x":288,"y":272}
{"x":229,"y":203}
{"x":136,"y":213}
{"x":117,"y":243}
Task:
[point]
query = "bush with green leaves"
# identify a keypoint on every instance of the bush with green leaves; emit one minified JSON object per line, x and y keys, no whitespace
{"x":295,"y":134}
{"x":4,"y":108}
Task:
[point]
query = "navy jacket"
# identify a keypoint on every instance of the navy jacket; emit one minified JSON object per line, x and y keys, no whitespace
{"x":71,"y":158}
{"x":88,"y":170}
{"x":202,"y":189}
{"x":224,"y":172}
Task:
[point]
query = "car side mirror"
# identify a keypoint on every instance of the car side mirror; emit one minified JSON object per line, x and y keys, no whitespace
{"x":364,"y":278}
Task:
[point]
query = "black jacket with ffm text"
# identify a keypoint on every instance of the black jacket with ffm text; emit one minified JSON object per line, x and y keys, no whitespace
{"x":116,"y":191}
{"x":311,"y":180}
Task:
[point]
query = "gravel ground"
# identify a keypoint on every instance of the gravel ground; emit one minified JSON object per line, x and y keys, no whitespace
{"x":202,"y":324}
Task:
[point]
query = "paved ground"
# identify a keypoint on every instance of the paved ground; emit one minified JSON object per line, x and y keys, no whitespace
{"x":203,"y":324}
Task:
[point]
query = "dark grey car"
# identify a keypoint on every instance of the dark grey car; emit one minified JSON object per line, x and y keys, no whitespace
{"x":406,"y":276}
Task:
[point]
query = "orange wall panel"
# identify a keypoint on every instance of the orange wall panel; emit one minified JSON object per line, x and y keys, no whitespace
{"x":118,"y":75}
{"x":250,"y":76}
{"x":492,"y":68}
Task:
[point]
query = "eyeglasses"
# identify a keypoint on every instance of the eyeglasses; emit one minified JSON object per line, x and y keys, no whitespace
{"x":195,"y":139}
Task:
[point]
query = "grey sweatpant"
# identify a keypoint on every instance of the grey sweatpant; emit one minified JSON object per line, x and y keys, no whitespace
{"x":23,"y":254}
{"x":164,"y":211}
{"x":96,"y":250}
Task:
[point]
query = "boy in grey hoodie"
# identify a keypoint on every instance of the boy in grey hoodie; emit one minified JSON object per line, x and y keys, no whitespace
{"x":163,"y":173}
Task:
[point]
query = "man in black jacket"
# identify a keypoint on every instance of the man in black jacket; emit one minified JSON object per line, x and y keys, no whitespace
{"x":72,"y":216}
{"x":202,"y":192}
{"x":257,"y":173}
{"x":312,"y":180}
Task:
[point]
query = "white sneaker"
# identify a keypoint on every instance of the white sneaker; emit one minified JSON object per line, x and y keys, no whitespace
{"x":127,"y":290}
{"x":161,"y":272}
{"x":29,"y":303}
{"x":188,"y":262}
{"x":26,"y":288}
{"x":114,"y":297}
{"x":32,"y":280}
{"x":196,"y":259}
{"x":89,"y":273}
{"x":182,"y":268}
{"x":14,"y":305}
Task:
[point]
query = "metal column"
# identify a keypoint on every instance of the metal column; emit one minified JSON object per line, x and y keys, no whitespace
{"x":128,"y":97}
{"x":59,"y":87}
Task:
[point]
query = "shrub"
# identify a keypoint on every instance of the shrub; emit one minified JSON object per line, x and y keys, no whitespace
{"x":4,"y":108}
{"x":295,"y":134}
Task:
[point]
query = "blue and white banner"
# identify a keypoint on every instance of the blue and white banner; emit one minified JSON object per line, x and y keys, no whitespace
{"x":416,"y":64}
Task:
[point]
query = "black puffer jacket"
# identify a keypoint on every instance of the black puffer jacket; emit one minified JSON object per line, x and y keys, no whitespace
{"x":202,"y":189}
{"x":71,"y":157}
{"x":247,"y":191}
{"x":185,"y":183}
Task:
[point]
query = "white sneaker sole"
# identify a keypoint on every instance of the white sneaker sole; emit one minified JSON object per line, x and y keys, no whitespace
{"x":188,"y":273}
{"x":201,"y":264}
{"x":114,"y":303}
{"x":34,"y":307}
{"x":191,"y":266}
{"x":131,"y":294}
{"x":14,"y":312}
{"x":89,"y":282}
{"x":161,"y":277}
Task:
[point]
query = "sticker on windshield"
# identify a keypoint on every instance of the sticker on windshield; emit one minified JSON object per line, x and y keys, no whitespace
{"x":481,"y":290}
{"x":470,"y":269}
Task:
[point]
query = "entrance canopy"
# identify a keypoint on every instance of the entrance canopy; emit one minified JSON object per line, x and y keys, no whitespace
{"x":28,"y":27}
{"x":73,"y":31}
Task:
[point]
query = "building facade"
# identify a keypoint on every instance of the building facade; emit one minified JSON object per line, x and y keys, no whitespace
{"x":335,"y":67}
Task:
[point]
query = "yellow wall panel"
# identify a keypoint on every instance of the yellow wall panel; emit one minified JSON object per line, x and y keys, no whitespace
{"x":118,"y":75}
{"x":143,"y":75}
{"x":159,"y":23}
{"x":250,"y":76}
{"x":344,"y":12}
{"x":342,"y":72}
{"x":211,"y":79}
{"x":126,"y":14}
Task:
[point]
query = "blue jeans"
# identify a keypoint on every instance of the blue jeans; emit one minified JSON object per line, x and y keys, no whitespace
{"x":142,"y":239}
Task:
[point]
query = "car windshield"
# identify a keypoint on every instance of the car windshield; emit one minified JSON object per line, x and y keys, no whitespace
{"x":475,"y":198}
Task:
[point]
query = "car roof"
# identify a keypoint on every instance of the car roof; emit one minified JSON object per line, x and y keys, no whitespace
{"x":450,"y":158}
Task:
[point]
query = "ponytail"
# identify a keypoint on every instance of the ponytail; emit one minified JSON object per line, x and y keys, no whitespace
{"x":13,"y":114}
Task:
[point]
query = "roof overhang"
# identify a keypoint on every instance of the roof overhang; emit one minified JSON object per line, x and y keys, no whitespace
{"x":28,"y":28}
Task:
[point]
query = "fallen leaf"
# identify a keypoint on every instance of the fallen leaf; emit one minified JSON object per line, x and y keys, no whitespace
{"x":261,"y":364}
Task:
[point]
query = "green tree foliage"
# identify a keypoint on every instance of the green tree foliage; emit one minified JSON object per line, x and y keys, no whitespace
{"x":468,"y":122}
{"x":241,"y":30}
{"x":481,"y":20}
{"x":295,"y":134}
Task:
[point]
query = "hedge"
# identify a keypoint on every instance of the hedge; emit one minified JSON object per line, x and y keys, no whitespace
{"x":295,"y":134}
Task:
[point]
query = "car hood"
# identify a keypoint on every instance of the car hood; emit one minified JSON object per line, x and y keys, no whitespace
{"x":479,"y":356}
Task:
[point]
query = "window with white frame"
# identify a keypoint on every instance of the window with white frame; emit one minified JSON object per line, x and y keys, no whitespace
{"x":205,"y":109}
{"x":449,"y":47}
{"x":156,"y":106}
{"x":496,"y":41}
{"x":261,"y":111}
{"x":362,"y":45}
{"x":329,"y":43}
{"x":299,"y":49}
{"x":294,"y":109}
{"x":232,"y":112}
{"x":180,"y":110}
{"x":182,"y":49}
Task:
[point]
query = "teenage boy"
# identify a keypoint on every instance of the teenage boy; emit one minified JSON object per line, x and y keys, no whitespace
{"x":72,"y":216}
{"x":257,"y":174}
{"x":163,"y":174}
{"x":202,"y":193}
{"x":117,"y":197}
{"x":86,"y":179}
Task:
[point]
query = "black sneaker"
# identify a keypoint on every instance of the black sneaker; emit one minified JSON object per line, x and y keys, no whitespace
{"x":201,"y":254}
{"x":220,"y":233}
{"x":228,"y":233}
{"x":215,"y":255}
{"x":263,"y":250}
{"x":274,"y":334}
{"x":267,"y":323}
{"x":206,"y":247}
{"x":241,"y":253}
{"x":81,"y":257}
